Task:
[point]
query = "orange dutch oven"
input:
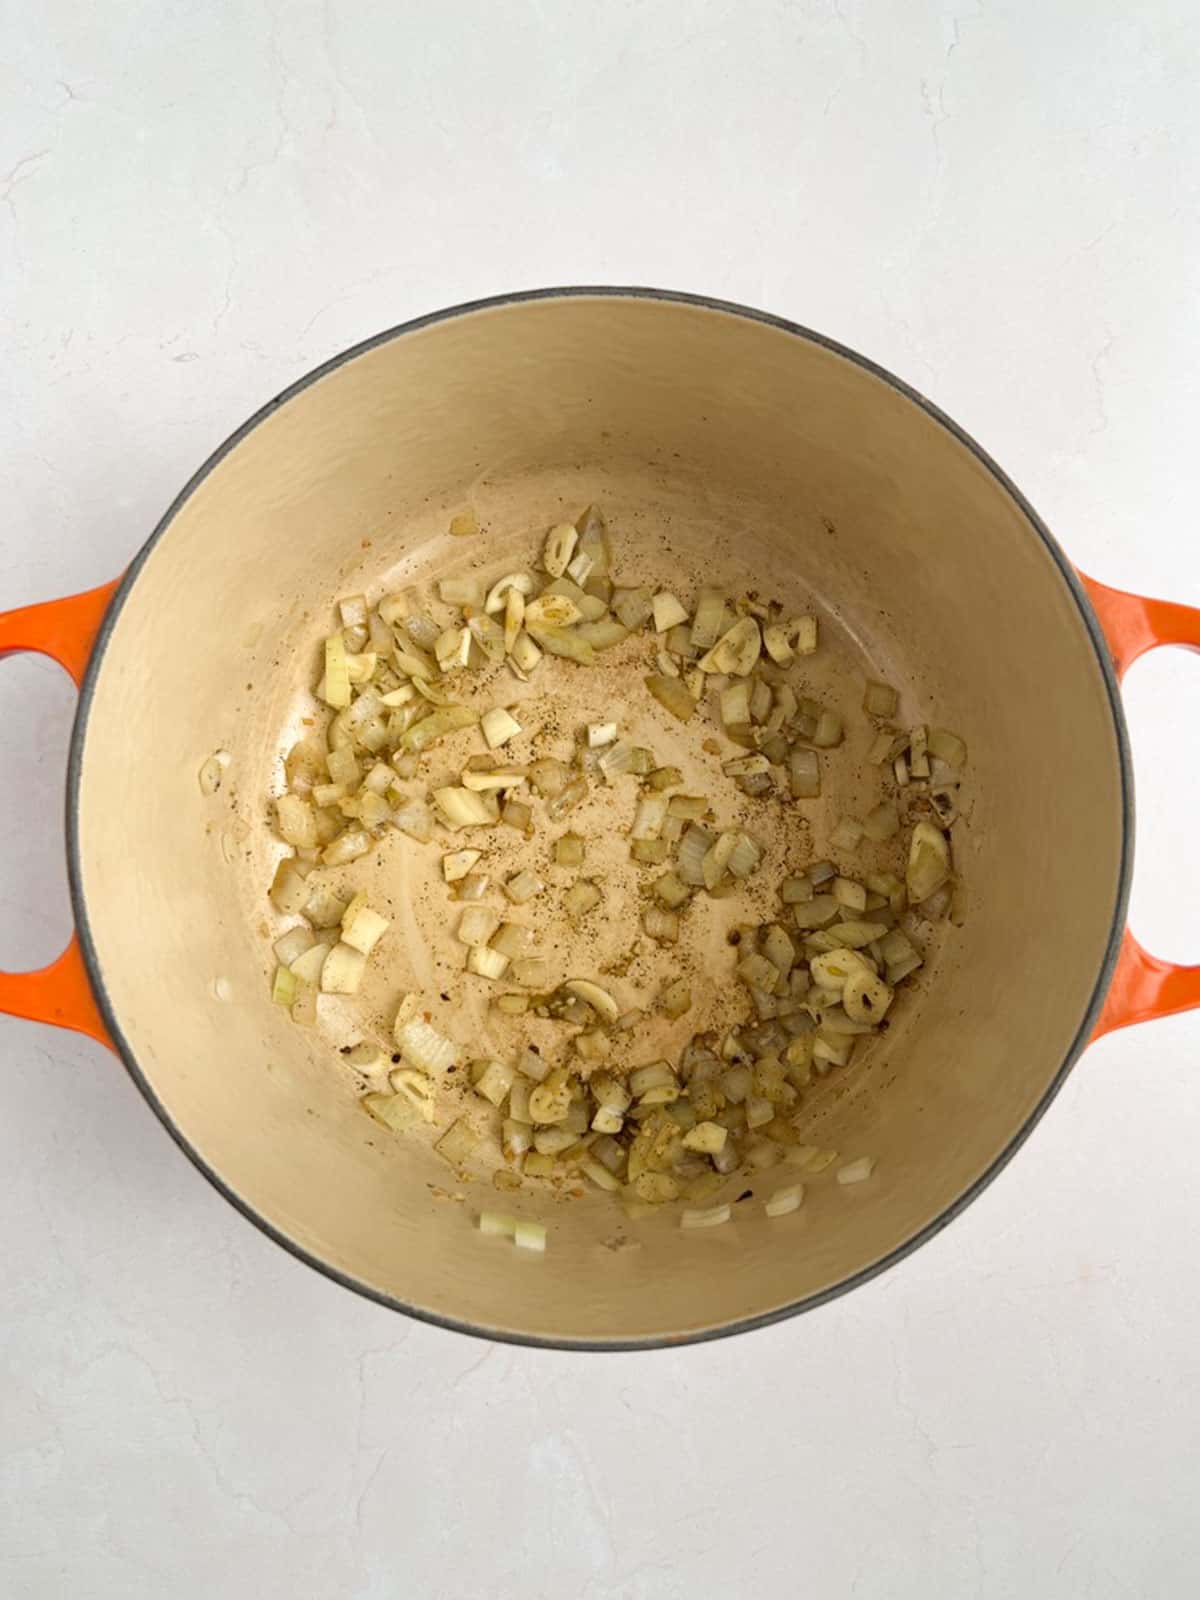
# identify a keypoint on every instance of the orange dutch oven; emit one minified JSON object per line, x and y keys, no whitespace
{"x":752,"y":440}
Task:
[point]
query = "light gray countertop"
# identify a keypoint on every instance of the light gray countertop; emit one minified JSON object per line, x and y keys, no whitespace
{"x":200,"y":203}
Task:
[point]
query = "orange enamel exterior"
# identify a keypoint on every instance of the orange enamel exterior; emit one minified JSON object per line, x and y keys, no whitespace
{"x":66,"y":631}
{"x":1143,"y":987}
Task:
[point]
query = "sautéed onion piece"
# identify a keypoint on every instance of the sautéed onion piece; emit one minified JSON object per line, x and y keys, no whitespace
{"x":415,"y":737}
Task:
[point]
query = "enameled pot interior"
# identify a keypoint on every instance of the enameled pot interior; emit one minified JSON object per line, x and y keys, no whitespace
{"x":720,"y":446}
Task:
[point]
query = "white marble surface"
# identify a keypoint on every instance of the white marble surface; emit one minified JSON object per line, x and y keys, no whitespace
{"x":199,"y":203}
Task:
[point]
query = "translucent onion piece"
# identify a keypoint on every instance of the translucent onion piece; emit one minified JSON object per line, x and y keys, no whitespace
{"x":497,"y":598}
{"x":457,"y":1143}
{"x":559,"y":548}
{"x":363,"y":928}
{"x":672,"y":694}
{"x":785,"y":1200}
{"x":494,"y":1222}
{"x":423,"y":1047}
{"x":668,"y":612}
{"x":947,"y":747}
{"x":928,"y":862}
{"x":498,"y":727}
{"x":561,"y":641}
{"x":342,"y":970}
{"x":866,"y":997}
{"x":736,"y":651}
{"x":706,"y":624}
{"x":880,"y":699}
{"x":601,"y":1002}
{"x":856,"y":1171}
{"x":711,"y":1217}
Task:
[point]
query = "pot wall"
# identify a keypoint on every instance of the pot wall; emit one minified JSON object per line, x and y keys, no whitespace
{"x":719,"y":445}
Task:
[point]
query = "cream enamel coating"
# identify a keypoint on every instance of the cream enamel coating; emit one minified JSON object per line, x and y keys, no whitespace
{"x":722,"y":448}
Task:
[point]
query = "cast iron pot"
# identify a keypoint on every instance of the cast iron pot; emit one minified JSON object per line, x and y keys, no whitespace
{"x":743,"y":430}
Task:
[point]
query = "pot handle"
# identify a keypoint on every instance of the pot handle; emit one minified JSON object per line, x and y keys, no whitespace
{"x":1143,"y":987}
{"x":66,"y":631}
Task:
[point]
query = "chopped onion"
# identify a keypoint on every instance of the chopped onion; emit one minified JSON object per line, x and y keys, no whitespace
{"x":804,"y":773}
{"x":463,"y":808}
{"x":392,"y":1110}
{"x":850,"y":894}
{"x":579,"y":567}
{"x":532,"y":972}
{"x":495,"y":1222}
{"x":856,"y":1171}
{"x":654,"y":1079}
{"x":601,"y":1002}
{"x":283,"y":987}
{"x":736,"y":651}
{"x":477,"y":925}
{"x":662,"y":926}
{"x":486,"y":962}
{"x":694,"y":846}
{"x":458,"y":863}
{"x":928,"y":862}
{"x":947,"y":747}
{"x":493,"y":1080}
{"x":632,"y":607}
{"x":521,"y":583}
{"x":672,"y":694}
{"x":785,"y":1200}
{"x":649,"y":817}
{"x":649,"y":852}
{"x":346,"y":847}
{"x":777,"y":644}
{"x":463,"y":590}
{"x":363,"y":928}
{"x":559,"y":548}
{"x":512,"y":939}
{"x":707,"y":1137}
{"x":463,"y":525}
{"x":530,"y":1236}
{"x":744,"y":857}
{"x":561,"y":641}
{"x":711,"y":1217}
{"x":342,"y":970}
{"x":423,"y":1047}
{"x":706,"y":623}
{"x":569,"y":850}
{"x":524,"y":653}
{"x":336,"y":688}
{"x":516,"y":814}
{"x":668,"y":612}
{"x":866,"y":997}
{"x":457,"y":1143}
{"x":804,"y":635}
{"x":291,"y":945}
{"x":880,"y":699}
{"x":523,"y":887}
{"x":498,"y":727}
{"x":414,"y":819}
